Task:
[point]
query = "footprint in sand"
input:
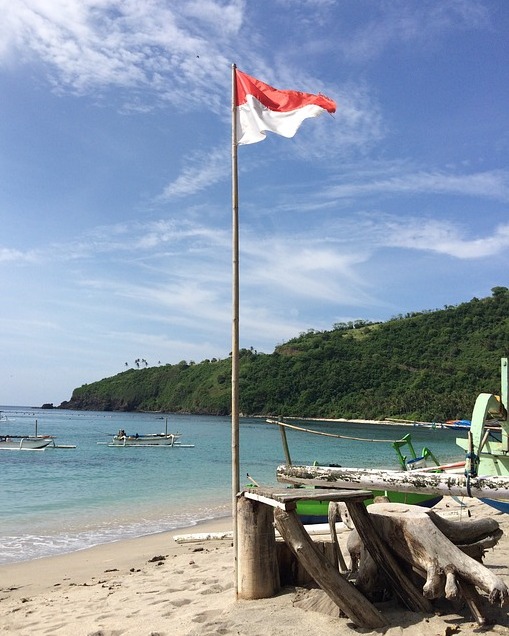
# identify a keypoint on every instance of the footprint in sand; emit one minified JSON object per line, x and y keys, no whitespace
{"x":206,"y":616}
{"x":213,"y":589}
{"x":215,"y":627}
{"x":180,"y":602}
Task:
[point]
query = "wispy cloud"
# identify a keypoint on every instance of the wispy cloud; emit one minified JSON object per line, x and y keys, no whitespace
{"x":201,"y":170}
{"x":411,"y":23}
{"x":310,"y":267}
{"x":492,"y":184}
{"x":171,"y":51}
{"x":140,"y":56}
{"x":9,"y":255}
{"x":445,"y":238}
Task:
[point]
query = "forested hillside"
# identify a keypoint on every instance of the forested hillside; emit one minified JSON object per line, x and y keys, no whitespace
{"x":425,"y":366}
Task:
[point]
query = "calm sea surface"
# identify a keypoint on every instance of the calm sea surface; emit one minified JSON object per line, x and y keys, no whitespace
{"x":61,"y":500}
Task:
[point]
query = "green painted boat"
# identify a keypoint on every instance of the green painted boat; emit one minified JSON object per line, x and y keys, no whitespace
{"x":486,"y":455}
{"x":487,"y":443}
{"x":312,"y":512}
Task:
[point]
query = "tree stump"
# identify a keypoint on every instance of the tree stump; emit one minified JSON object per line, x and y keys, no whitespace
{"x":257,"y":571}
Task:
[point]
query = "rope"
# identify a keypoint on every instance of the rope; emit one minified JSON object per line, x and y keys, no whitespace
{"x":472,"y":461}
{"x":309,"y":430}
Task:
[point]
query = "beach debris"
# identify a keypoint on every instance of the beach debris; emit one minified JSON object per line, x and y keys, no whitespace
{"x":157,"y":559}
{"x":258,"y":510}
{"x":447,"y":555}
{"x":398,"y":550}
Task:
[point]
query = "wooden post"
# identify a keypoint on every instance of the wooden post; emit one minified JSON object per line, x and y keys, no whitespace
{"x":342,"y":592}
{"x":257,"y":570}
{"x":285,"y":445}
{"x":235,"y":330}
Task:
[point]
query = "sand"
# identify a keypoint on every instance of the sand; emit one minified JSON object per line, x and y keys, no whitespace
{"x":154,"y":586}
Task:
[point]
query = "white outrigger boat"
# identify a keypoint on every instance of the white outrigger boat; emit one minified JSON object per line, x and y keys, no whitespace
{"x":29,"y":442}
{"x":171,"y":440}
{"x":24,"y":442}
{"x":152,"y":439}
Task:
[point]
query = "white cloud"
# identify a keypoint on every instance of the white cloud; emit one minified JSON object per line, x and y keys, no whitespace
{"x":201,"y":170}
{"x":421,"y":23}
{"x":9,"y":255}
{"x":492,"y":184}
{"x":173,"y":51}
{"x":445,"y":238}
{"x":157,"y":53}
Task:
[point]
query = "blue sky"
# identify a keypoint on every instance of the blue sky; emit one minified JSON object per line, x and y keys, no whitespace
{"x":115,"y":196}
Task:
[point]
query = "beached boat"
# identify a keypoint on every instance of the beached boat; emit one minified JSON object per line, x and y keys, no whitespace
{"x":483,"y":471}
{"x":313,"y":511}
{"x":24,"y":442}
{"x":487,"y":443}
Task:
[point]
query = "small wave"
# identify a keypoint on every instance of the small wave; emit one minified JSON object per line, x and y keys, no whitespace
{"x":27,"y":547}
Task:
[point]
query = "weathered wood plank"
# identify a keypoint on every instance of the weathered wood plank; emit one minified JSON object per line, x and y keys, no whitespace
{"x":398,"y":481}
{"x":276,"y":497}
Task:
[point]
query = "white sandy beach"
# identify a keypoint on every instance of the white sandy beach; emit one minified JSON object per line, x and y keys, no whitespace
{"x":120,"y":589}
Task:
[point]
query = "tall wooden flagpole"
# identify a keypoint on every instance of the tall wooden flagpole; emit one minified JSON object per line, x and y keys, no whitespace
{"x":235,"y":329}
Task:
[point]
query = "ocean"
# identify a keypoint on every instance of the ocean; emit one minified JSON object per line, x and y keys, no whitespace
{"x":57,"y":501}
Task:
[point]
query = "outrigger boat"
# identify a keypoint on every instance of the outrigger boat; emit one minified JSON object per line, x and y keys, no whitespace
{"x":29,"y":442}
{"x":152,"y":439}
{"x":171,"y":440}
{"x":24,"y":442}
{"x":487,"y":443}
{"x":483,"y":473}
{"x":457,"y":425}
{"x":316,"y":511}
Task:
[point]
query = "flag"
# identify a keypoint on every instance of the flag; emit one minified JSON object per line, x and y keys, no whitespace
{"x":260,"y":108}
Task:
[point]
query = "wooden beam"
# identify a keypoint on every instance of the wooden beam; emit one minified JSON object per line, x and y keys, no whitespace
{"x":396,"y":481}
{"x":345,"y":595}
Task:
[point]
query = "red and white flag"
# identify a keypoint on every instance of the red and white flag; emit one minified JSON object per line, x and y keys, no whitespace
{"x":260,"y":108}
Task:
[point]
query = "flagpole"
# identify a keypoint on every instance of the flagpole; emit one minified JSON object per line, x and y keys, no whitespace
{"x":235,"y":330}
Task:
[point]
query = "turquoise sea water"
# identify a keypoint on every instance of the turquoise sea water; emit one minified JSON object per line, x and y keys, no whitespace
{"x":61,"y":500}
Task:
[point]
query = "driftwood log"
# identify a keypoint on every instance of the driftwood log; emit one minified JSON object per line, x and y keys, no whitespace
{"x":438,"y":550}
{"x":347,"y":597}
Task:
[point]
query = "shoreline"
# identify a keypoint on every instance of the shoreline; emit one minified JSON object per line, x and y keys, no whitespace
{"x":49,"y":542}
{"x":38,"y":575}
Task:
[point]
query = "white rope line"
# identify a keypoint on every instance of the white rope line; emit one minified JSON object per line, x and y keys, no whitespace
{"x":309,"y":430}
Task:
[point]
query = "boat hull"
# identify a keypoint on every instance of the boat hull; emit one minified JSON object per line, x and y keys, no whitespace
{"x":24,"y":443}
{"x":168,"y":440}
{"x":313,"y":512}
{"x":155,"y":439}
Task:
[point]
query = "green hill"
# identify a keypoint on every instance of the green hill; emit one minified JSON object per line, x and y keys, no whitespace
{"x":423,"y":366}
